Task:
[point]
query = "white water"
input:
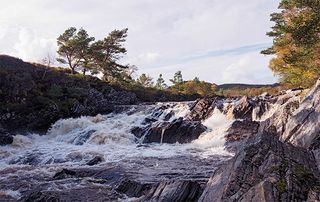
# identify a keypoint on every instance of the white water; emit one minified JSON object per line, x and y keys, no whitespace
{"x":67,"y":141}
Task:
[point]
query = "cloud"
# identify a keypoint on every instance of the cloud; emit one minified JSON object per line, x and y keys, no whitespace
{"x":30,"y":46}
{"x":161,"y":32}
{"x":249,"y":67}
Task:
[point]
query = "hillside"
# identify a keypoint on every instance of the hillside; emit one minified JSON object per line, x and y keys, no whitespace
{"x":33,"y":96}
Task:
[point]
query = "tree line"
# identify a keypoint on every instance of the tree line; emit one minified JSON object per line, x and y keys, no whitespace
{"x":81,"y":52}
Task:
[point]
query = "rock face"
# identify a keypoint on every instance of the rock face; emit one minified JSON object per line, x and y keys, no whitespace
{"x":201,"y":109}
{"x":303,"y":127}
{"x":266,"y":170}
{"x":95,"y":160}
{"x":243,"y":109}
{"x":281,"y":110}
{"x":241,"y":129}
{"x":133,"y":189}
{"x":178,"y":191}
{"x":179,"y":130}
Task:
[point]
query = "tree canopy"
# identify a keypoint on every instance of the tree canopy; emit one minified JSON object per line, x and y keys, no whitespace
{"x":296,"y":44}
{"x":160,"y":84}
{"x":177,"y":78}
{"x":145,"y":80}
{"x":82,"y":52}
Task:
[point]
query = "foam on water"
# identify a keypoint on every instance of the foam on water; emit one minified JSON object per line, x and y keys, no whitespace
{"x":13,"y":194}
{"x":75,"y":141}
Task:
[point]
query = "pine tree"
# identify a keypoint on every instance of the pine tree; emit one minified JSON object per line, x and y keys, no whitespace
{"x":160,"y":83}
{"x":177,"y":78}
{"x":145,"y":80}
{"x":107,"y":52}
{"x":73,"y":48}
{"x":196,"y":79}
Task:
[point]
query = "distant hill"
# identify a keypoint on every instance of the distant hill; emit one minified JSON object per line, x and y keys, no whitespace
{"x":240,"y":86}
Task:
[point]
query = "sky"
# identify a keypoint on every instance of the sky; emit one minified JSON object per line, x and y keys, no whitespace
{"x":217,"y":41}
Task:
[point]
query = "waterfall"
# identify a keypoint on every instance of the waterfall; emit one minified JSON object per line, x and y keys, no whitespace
{"x":76,"y":140}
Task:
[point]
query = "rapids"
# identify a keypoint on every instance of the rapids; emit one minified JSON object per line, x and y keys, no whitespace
{"x":71,"y":143}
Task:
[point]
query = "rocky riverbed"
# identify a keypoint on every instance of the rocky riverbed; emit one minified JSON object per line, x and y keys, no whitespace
{"x":263,"y":148}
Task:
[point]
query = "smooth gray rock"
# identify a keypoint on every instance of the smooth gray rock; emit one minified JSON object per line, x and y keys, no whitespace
{"x":303,"y":127}
{"x":265,"y":170}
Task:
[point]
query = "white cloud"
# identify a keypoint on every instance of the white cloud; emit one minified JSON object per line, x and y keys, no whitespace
{"x":161,"y":32}
{"x":30,"y":46}
{"x":245,"y":68}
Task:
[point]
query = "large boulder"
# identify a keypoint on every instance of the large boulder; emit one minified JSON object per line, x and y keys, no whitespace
{"x":243,"y":108}
{"x":266,"y":170}
{"x":201,"y":109}
{"x":179,"y":130}
{"x":241,"y":129}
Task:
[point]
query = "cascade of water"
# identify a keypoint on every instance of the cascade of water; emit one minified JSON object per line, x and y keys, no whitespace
{"x":76,"y":140}
{"x":162,"y":133}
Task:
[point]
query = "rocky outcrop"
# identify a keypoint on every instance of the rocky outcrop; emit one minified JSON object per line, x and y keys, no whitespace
{"x":201,"y":109}
{"x":303,"y":127}
{"x":266,"y":170}
{"x":243,"y":108}
{"x":179,"y":130}
{"x":241,"y":129}
{"x":276,"y":118}
{"x":178,"y":191}
{"x":133,"y":189}
{"x":95,"y":160}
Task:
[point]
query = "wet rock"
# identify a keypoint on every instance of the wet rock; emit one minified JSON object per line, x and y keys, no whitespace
{"x":138,"y":131}
{"x":5,"y":137}
{"x":148,"y":120}
{"x":30,"y":158}
{"x":64,"y":173}
{"x":81,"y":194}
{"x":303,"y":127}
{"x":168,"y":116}
{"x":265,"y":170}
{"x":243,"y":108}
{"x":39,"y":196}
{"x":241,"y":129}
{"x":133,"y":189}
{"x":179,"y":130}
{"x":174,"y":191}
{"x":82,"y":137}
{"x":95,"y":160}
{"x":201,"y":109}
